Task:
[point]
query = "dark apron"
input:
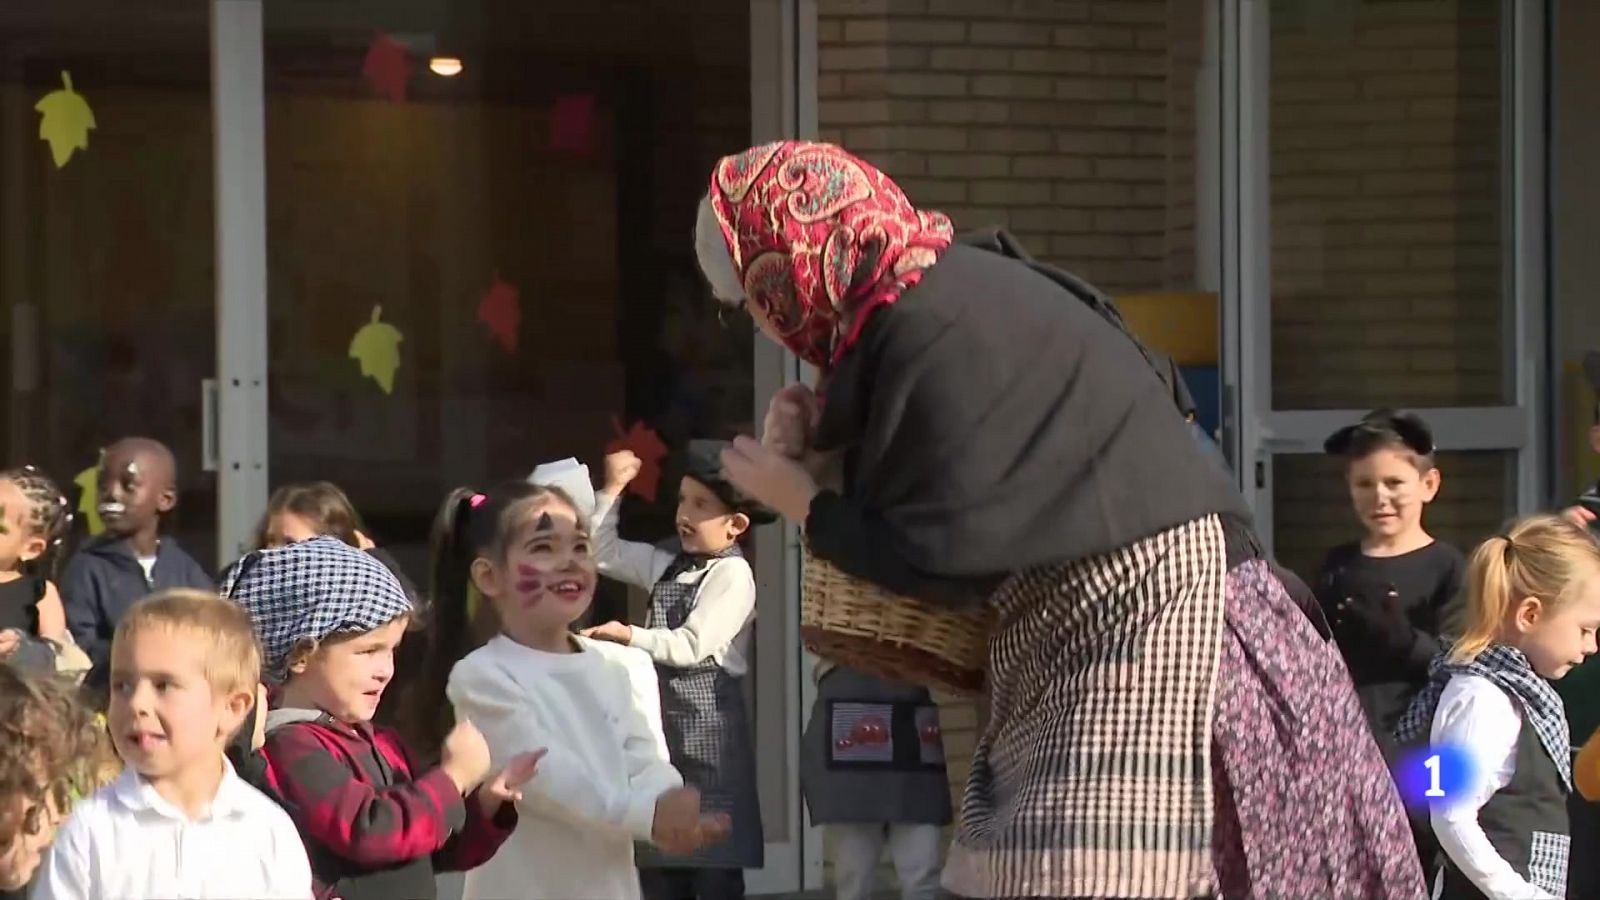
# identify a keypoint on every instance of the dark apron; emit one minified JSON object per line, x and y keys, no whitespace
{"x":708,"y":736}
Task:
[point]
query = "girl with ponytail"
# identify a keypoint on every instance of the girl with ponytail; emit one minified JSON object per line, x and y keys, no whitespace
{"x":1533,"y":608}
{"x":512,"y":571}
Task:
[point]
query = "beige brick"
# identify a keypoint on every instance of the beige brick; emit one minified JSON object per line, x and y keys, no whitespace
{"x":928,"y":31}
{"x":1403,"y":183}
{"x":857,"y":112}
{"x":1093,"y":194}
{"x":865,"y":84}
{"x":1011,"y":193}
{"x":1012,"y":140}
{"x":967,"y":9}
{"x":1055,"y":220}
{"x":1048,"y":10}
{"x":1130,"y":65}
{"x":1057,"y":61}
{"x":1011,"y":86}
{"x":970,"y":217}
{"x":842,"y":59}
{"x":1051,"y":166}
{"x":1129,"y":220}
{"x":1154,"y":91}
{"x":906,"y":137}
{"x":829,"y":84}
{"x":933,"y":191}
{"x":970,"y":165}
{"x":830,"y":31}
{"x":1094,"y":37}
{"x":1105,"y":89}
{"x":1130,"y":116}
{"x":1010,"y":34}
{"x":926,"y":84}
{"x":1052,"y":112}
{"x":1424,"y":84}
{"x":869,"y":7}
{"x":1157,"y":39}
{"x":830,"y":135}
{"x":1325,"y":114}
{"x":898,"y":164}
{"x":865,"y":31}
{"x":1130,"y":11}
{"x":970,"y":59}
{"x":1094,"y":142}
{"x":952,"y":112}
{"x":1130,"y":169}
{"x":1091,"y":246}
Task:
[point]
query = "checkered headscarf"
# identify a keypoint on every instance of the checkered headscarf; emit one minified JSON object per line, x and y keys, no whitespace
{"x":309,"y":590}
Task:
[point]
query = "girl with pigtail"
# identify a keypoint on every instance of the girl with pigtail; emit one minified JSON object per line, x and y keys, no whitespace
{"x":34,"y":520}
{"x":512,"y":571}
{"x":1533,"y":608}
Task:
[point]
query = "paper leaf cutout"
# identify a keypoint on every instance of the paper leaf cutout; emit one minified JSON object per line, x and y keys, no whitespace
{"x":646,"y":445}
{"x":64,"y":121}
{"x":377,"y":347}
{"x":572,"y":123}
{"x":501,"y":310}
{"x":387,"y":67}
{"x":88,"y":482}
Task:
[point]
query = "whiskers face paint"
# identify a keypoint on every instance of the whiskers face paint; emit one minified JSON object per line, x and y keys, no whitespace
{"x":530,"y":584}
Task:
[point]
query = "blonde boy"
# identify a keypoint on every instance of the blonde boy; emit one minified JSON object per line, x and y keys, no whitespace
{"x":178,"y":822}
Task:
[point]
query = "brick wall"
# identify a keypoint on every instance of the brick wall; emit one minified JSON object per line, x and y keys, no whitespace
{"x":1386,"y":225}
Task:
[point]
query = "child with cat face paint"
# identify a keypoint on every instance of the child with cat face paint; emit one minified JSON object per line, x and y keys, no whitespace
{"x":606,"y":781}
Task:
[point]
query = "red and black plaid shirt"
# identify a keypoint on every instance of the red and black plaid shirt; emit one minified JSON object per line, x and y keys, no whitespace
{"x":370,"y":829}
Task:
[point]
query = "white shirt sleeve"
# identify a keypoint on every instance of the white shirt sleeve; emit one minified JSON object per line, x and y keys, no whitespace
{"x":1480,"y":718}
{"x":291,"y":868}
{"x":650,"y":769}
{"x":66,"y":873}
{"x":724,"y":602}
{"x":630,"y":561}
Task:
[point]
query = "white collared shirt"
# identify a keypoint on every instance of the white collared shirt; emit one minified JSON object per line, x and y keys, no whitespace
{"x":129,"y":843}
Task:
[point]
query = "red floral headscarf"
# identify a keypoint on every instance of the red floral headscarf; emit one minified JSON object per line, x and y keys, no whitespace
{"x":819,"y":236}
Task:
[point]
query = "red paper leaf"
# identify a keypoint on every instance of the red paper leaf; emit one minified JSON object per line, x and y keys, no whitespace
{"x":646,"y":445}
{"x":500,"y":309}
{"x":572,"y":123}
{"x":387,"y":67}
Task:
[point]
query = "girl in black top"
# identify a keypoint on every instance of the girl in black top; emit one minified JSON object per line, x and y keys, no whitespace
{"x":34,"y":518}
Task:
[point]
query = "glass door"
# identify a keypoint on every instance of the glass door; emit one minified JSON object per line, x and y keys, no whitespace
{"x":1387,"y":170}
{"x":108,"y":262}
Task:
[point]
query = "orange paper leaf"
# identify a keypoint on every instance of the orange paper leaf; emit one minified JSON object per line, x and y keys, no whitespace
{"x":387,"y":67}
{"x":500,"y":309}
{"x":646,"y":445}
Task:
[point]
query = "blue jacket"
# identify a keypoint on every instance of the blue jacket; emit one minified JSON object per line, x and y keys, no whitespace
{"x":104,"y":578}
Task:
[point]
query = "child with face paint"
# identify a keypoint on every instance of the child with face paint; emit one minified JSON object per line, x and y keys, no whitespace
{"x":377,"y":823}
{"x":1390,"y":595}
{"x":132,"y":559}
{"x":606,"y":781}
{"x":702,"y":614}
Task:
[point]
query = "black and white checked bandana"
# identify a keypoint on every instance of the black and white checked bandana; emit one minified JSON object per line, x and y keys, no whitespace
{"x":1508,"y":669}
{"x":309,"y":590}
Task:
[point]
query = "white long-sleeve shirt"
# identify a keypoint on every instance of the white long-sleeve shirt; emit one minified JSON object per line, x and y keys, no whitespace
{"x":127,"y":842}
{"x":596,"y":789}
{"x":1480,"y":718}
{"x":719,"y":627}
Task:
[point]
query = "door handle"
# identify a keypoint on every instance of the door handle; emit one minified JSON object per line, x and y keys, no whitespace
{"x":209,"y":439}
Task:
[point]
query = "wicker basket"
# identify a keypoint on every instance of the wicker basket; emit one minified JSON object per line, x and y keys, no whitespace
{"x":855,"y":623}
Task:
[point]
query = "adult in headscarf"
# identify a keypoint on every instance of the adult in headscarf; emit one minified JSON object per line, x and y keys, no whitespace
{"x":1165,"y":718}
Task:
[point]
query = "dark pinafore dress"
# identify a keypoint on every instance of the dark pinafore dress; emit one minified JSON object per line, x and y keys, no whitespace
{"x":708,"y":732}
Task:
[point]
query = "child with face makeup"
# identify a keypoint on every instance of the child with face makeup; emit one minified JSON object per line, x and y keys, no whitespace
{"x":606,"y":781}
{"x":702,"y":613}
{"x":138,"y":487}
{"x":1389,"y":596}
{"x":375,"y":823}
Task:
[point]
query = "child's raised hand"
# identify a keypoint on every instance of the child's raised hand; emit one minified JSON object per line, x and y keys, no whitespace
{"x":791,"y":419}
{"x":622,"y":467}
{"x":465,"y":756}
{"x":506,"y":785}
{"x":10,"y":640}
{"x":1579,"y":516}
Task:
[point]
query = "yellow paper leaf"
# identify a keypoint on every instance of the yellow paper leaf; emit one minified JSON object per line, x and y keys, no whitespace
{"x":64,"y":121}
{"x":377,"y":347}
{"x":88,"y":482}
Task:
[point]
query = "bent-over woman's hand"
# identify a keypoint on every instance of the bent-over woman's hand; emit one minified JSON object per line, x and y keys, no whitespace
{"x":770,"y":478}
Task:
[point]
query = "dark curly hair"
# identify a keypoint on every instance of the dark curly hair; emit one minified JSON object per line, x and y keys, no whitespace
{"x":50,"y":748}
